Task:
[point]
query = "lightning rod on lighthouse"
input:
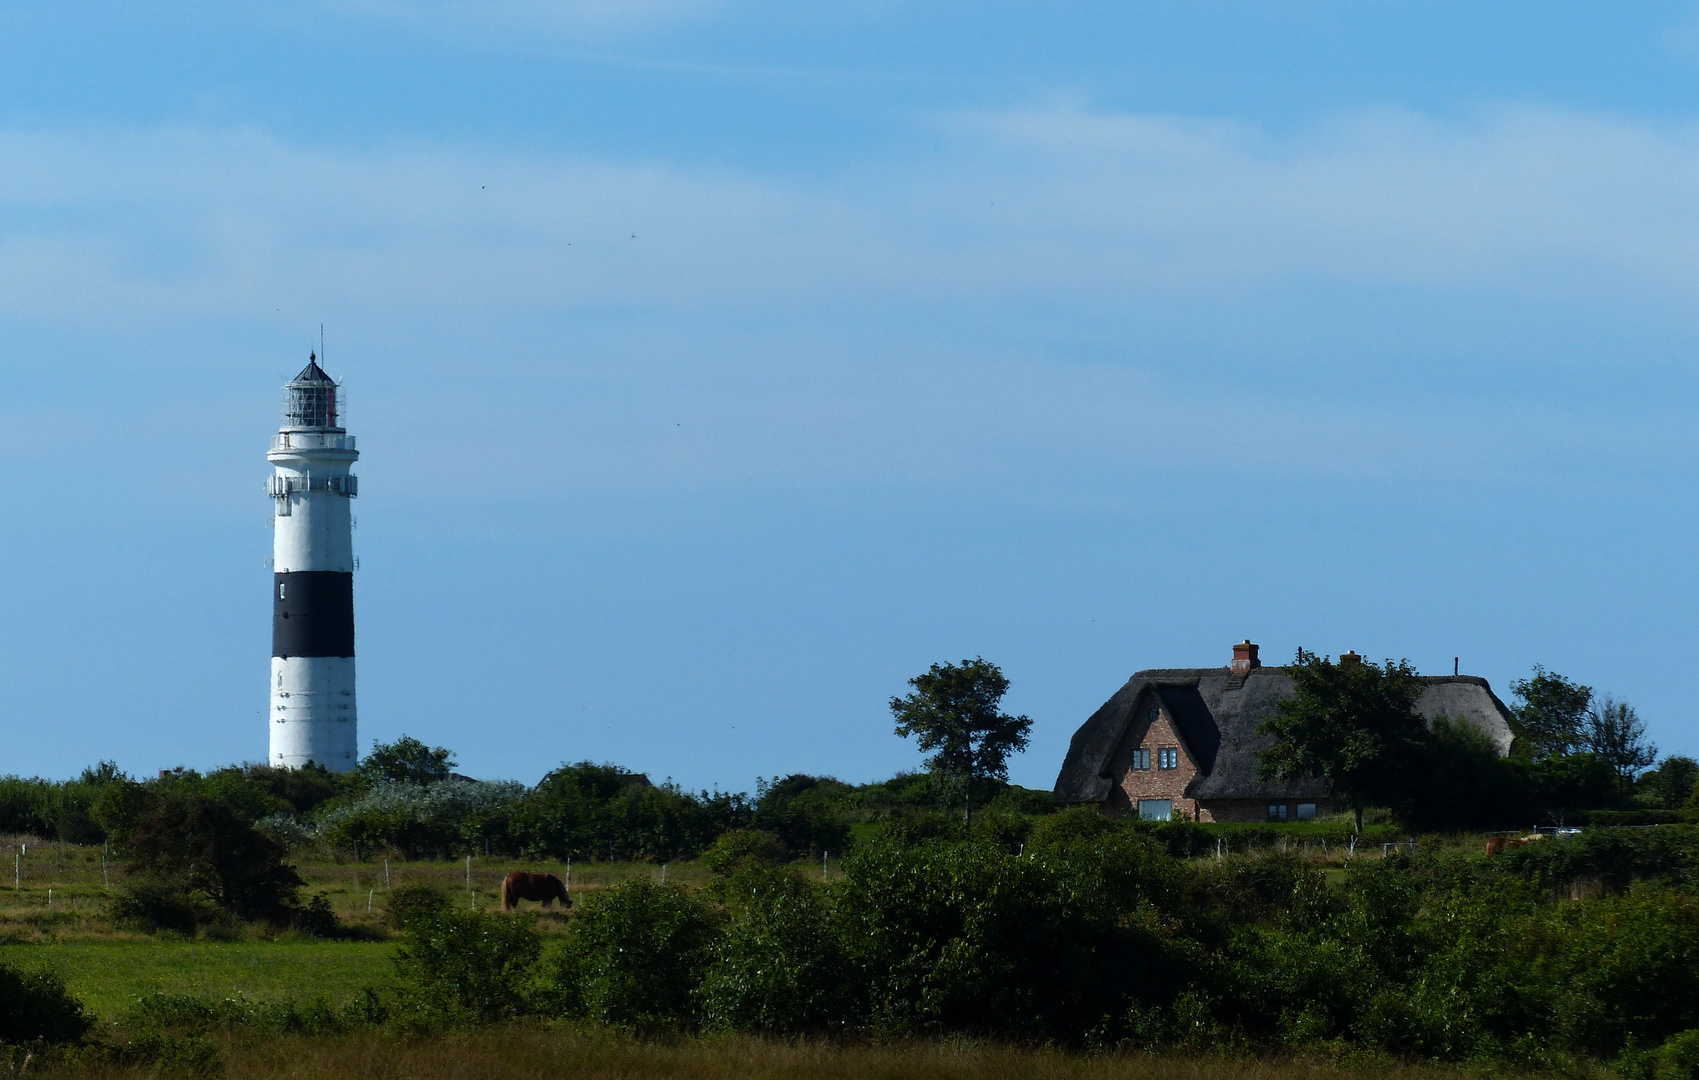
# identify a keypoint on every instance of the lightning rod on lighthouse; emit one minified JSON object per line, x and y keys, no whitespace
{"x":312,"y":715}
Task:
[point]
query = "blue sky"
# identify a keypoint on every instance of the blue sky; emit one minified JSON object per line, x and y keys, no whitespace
{"x":717,"y":366}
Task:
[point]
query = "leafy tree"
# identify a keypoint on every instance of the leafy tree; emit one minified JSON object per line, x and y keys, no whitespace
{"x":953,"y":713}
{"x":1550,"y":714}
{"x":1353,"y":725}
{"x":407,"y":760}
{"x":1672,"y":782}
{"x":203,"y":845}
{"x":1614,"y":732}
{"x":806,"y":812}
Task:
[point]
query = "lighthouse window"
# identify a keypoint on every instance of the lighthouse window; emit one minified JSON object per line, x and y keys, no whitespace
{"x":280,"y":587}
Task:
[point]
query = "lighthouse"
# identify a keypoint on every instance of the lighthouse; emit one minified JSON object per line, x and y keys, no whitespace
{"x":312,"y":715}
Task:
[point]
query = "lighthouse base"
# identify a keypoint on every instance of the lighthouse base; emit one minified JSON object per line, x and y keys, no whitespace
{"x":312,"y":712}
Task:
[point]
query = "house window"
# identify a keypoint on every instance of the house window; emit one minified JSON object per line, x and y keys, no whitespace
{"x":1168,"y":758}
{"x":1277,"y":811}
{"x":1153,"y":715}
{"x":1141,"y":759}
{"x":1306,"y":811}
{"x":1156,"y":809}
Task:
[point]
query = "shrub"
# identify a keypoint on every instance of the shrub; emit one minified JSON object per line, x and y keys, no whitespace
{"x":465,"y":967}
{"x":737,"y":848}
{"x":780,"y":967}
{"x":635,"y":957}
{"x":34,"y":1005}
{"x":1678,"y":1058}
{"x":154,"y":904}
{"x":966,"y":937}
{"x":412,"y":900}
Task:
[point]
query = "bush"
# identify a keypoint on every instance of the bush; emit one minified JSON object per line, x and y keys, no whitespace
{"x":411,"y":900}
{"x":737,"y":848}
{"x":34,"y":1005}
{"x":465,"y":967}
{"x":780,"y":967}
{"x":1678,"y":1058}
{"x":967,"y":937}
{"x":635,"y":957}
{"x":154,"y":904}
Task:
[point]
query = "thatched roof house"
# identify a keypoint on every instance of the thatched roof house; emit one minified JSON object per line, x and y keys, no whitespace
{"x":1183,"y":741}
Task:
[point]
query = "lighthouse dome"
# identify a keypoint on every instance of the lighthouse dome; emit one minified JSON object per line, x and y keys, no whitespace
{"x":310,"y":398}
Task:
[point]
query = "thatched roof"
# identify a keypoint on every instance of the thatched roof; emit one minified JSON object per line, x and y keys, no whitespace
{"x":1218,"y":712}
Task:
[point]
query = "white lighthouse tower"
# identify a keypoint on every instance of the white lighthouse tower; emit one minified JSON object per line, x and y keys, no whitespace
{"x":312,"y":590}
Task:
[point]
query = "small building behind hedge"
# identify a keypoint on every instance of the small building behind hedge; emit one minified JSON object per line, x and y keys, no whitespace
{"x":1183,"y":742}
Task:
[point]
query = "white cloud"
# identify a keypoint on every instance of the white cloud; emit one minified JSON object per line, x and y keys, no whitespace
{"x":1052,"y":211}
{"x":1056,"y":202}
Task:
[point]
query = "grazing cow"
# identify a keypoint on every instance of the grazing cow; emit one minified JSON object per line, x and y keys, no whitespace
{"x":519,"y":886}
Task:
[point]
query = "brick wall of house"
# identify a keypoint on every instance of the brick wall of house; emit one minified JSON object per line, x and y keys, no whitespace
{"x":1132,"y":784}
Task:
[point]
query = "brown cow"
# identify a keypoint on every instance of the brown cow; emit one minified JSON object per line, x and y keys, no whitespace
{"x":519,"y":886}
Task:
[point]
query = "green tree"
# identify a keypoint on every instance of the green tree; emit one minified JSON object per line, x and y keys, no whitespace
{"x":953,"y":714}
{"x":202,"y":845}
{"x":1614,"y":732}
{"x":1550,"y":713}
{"x":1670,"y":784}
{"x":408,"y":761}
{"x":1354,"y":725}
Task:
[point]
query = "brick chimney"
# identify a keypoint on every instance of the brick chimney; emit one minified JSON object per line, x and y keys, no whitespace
{"x":1349,"y":660}
{"x":1244,"y":658}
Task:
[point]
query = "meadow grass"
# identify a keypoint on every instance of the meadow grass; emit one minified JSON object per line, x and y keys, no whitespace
{"x":549,"y":1051}
{"x":53,"y":914}
{"x":107,"y":976}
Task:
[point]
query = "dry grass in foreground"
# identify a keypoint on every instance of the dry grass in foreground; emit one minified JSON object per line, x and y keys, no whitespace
{"x":552,"y":1053}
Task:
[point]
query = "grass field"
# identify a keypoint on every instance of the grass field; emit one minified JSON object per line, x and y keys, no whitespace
{"x":109,"y":975}
{"x":54,"y":915}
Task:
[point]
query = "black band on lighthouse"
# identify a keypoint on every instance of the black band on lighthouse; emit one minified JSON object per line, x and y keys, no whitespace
{"x":312,"y":613}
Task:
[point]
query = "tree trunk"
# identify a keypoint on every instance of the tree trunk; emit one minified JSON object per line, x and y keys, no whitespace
{"x":1359,"y":811}
{"x":967,"y":791}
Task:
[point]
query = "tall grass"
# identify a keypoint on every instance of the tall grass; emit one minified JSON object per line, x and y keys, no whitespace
{"x":522,"y":1052}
